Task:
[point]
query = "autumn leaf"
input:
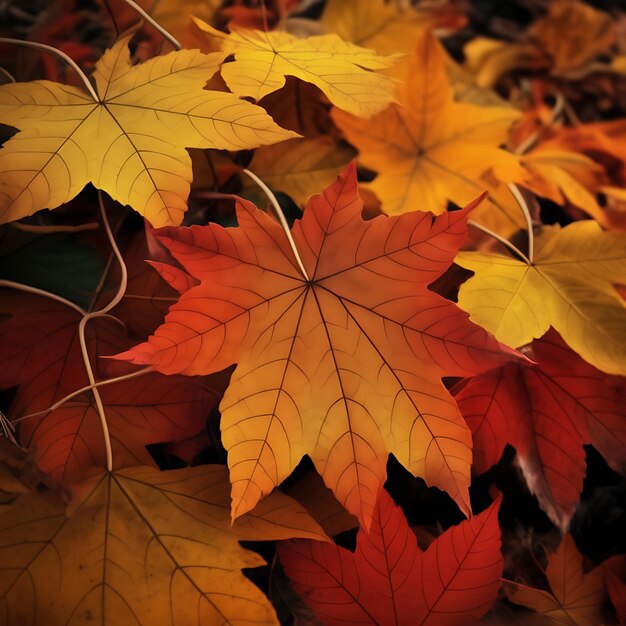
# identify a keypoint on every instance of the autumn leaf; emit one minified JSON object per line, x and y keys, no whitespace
{"x":387,"y":27}
{"x":575,"y":598}
{"x":428,"y":150}
{"x":564,"y":177}
{"x":569,"y":285}
{"x":340,"y":69}
{"x":130,"y":142}
{"x":300,"y":167}
{"x":547,"y":412}
{"x":344,"y":365}
{"x":139,"y":546}
{"x":389,"y":581}
{"x":565,"y":41}
{"x":42,"y":356}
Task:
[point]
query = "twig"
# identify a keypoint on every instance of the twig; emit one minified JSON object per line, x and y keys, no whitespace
{"x":42,"y":292}
{"x":7,"y":75}
{"x":60,"y":54}
{"x":82,"y":339}
{"x":281,"y":218}
{"x":78,"y":392}
{"x":519,"y":198}
{"x":502,"y":240}
{"x":146,"y":16}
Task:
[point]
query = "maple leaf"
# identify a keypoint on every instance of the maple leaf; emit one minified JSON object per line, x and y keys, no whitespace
{"x":387,"y":27}
{"x":341,"y":70}
{"x":575,"y":598}
{"x":343,"y":364}
{"x":139,"y":546}
{"x":428,"y":150}
{"x":389,"y":581}
{"x":547,"y":412}
{"x":300,"y":167}
{"x":41,"y":355}
{"x":130,"y":143}
{"x":569,"y":285}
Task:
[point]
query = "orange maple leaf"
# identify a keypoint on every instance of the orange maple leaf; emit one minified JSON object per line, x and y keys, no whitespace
{"x":342,"y":361}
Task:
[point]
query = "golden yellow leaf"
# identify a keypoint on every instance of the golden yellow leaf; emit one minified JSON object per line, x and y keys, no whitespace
{"x":382,"y":26}
{"x":340,"y":69}
{"x":575,"y":598}
{"x":489,"y":59}
{"x":137,"y":547}
{"x":300,"y":167}
{"x":428,"y":149}
{"x":569,"y":286}
{"x":131,"y":143}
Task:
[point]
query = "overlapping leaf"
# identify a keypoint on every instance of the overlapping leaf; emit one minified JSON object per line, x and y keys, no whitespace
{"x":340,"y":69}
{"x":428,"y":150}
{"x":130,"y":143}
{"x":137,"y":547}
{"x":569,"y":285}
{"x":389,"y":581}
{"x":547,"y":412}
{"x":301,"y":167}
{"x":42,"y":356}
{"x":575,"y":598}
{"x":344,"y":365}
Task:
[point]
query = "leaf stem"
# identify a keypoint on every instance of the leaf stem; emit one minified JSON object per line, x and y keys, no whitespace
{"x":78,"y":392}
{"x":41,"y":292}
{"x":281,"y":218}
{"x":146,"y":16}
{"x":60,"y":54}
{"x":502,"y":240}
{"x":7,"y":75}
{"x":103,"y":311}
{"x":521,"y":201}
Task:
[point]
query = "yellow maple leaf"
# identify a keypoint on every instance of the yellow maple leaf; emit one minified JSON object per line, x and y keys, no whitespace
{"x":569,"y":286}
{"x":382,"y":26}
{"x":140,"y":546}
{"x":428,"y":149}
{"x":575,"y":598}
{"x":130,"y":142}
{"x":340,"y":69}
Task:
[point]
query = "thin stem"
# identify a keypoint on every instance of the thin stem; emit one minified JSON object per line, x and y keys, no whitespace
{"x":281,"y":218}
{"x":146,"y":16}
{"x":502,"y":240}
{"x":105,"y":272}
{"x":7,"y":75}
{"x":6,"y":428}
{"x":83,"y":341}
{"x":78,"y":392}
{"x":41,"y":292}
{"x":41,"y":229}
{"x":60,"y":54}
{"x":521,"y":201}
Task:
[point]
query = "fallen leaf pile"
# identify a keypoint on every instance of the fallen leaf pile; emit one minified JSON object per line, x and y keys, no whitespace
{"x":312,"y":312}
